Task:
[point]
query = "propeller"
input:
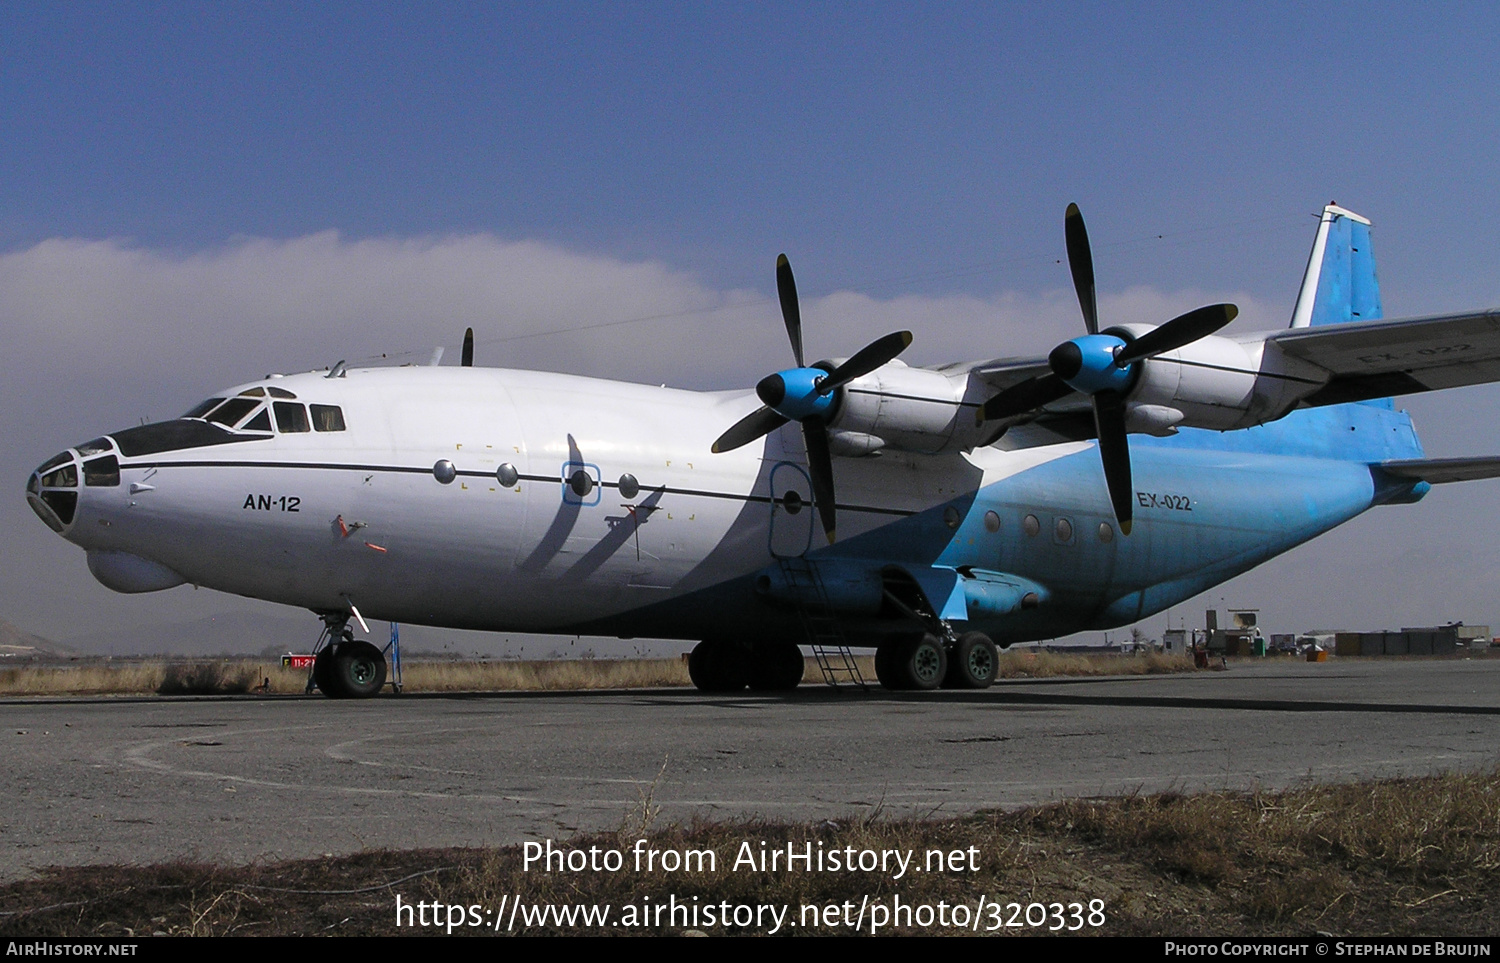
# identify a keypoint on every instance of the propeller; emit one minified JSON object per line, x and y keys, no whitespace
{"x":807,"y":396}
{"x":1102,"y":366}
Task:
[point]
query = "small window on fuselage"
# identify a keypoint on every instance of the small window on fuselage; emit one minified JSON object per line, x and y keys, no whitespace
{"x":291,"y":417}
{"x":327,"y":418}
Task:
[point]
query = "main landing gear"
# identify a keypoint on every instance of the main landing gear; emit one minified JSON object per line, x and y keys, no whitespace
{"x":929,"y":662}
{"x":722,"y":665}
{"x":345,"y":667}
{"x":905,"y":663}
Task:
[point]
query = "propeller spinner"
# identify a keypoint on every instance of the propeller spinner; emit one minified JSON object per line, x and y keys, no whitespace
{"x":807,"y":395}
{"x":1102,"y":367}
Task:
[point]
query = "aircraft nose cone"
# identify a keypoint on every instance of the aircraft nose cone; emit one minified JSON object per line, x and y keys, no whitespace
{"x":772,"y":390}
{"x":1066,"y":360}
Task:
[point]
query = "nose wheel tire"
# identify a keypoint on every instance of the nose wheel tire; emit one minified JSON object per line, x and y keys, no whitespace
{"x":322,"y":673}
{"x":353,"y":670}
{"x":974,"y":663}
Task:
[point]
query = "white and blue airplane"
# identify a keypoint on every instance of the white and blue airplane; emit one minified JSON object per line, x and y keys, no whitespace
{"x":968,"y":500}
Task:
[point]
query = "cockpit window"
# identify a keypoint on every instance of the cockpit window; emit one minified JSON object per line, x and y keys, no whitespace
{"x":101,"y":472}
{"x":327,"y":418}
{"x":232,"y":411}
{"x":261,"y":422}
{"x":54,"y":461}
{"x":65,"y":477}
{"x":94,"y":447}
{"x":175,"y":436}
{"x":291,"y":417}
{"x":202,"y":409}
{"x":256,"y":392}
{"x":279,"y":393}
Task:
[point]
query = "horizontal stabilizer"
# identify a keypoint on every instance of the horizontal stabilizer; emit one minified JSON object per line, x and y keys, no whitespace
{"x":1436,"y":471}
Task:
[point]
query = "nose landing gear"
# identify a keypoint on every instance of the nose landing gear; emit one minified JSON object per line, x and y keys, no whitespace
{"x":345,"y":667}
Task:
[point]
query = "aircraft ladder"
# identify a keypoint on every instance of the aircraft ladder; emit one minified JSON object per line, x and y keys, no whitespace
{"x":820,"y":625}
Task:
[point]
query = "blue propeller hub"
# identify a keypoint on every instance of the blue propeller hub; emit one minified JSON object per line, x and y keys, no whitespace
{"x":1087,"y":364}
{"x":793,"y":393}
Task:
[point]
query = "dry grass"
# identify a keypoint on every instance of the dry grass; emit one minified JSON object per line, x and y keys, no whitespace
{"x":140,"y":678}
{"x":235,"y":676}
{"x":1038,"y":664}
{"x":561,"y":675}
{"x":1400,"y":857}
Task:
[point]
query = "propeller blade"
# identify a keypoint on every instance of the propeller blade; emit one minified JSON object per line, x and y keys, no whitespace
{"x":1081,"y":262}
{"x":1024,"y":396}
{"x":866,"y":360}
{"x":1114,"y":451}
{"x":786,"y":289}
{"x":1181,"y":330}
{"x":468,"y":356}
{"x":820,"y":466}
{"x":760,"y":422}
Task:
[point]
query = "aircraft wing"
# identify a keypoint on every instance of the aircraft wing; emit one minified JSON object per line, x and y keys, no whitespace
{"x":1377,"y":359}
{"x":1436,"y":471}
{"x":1004,"y":372}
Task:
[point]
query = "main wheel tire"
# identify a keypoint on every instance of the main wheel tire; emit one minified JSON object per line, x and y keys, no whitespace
{"x":974,"y":663}
{"x":718,"y":666}
{"x":358,"y":670}
{"x":915,"y":662}
{"x":922,"y":663}
{"x":776,"y":667}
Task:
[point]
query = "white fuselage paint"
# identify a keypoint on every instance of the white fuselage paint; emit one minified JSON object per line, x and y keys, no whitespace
{"x":374,"y":528}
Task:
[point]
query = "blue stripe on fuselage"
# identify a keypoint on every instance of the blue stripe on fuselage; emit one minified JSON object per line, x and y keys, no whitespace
{"x":1209,"y":506}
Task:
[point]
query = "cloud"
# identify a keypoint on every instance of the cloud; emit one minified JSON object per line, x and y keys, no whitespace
{"x":255,"y":305}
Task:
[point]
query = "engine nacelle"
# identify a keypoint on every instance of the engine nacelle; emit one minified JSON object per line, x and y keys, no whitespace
{"x":1216,"y":383}
{"x":911,"y":409}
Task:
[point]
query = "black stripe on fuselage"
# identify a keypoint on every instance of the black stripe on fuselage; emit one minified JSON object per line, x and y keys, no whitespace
{"x":551,"y":479}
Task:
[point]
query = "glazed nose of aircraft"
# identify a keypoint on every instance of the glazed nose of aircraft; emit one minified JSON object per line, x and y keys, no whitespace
{"x":52,"y":490}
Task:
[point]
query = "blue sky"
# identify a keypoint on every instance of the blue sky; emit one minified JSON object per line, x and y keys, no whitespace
{"x":915,"y":156}
{"x":877,"y":141}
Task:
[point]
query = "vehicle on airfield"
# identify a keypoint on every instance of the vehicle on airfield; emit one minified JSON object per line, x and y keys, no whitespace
{"x":968,"y":499}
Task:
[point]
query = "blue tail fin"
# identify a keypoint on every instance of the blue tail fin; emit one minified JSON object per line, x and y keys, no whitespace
{"x":1340,"y":283}
{"x":1340,"y":286}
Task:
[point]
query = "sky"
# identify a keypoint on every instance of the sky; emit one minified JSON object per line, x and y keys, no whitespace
{"x":193,"y":195}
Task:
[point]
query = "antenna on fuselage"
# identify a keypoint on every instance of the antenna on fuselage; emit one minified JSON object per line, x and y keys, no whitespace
{"x":337,"y":371}
{"x":468,"y":356}
{"x":437,"y":357}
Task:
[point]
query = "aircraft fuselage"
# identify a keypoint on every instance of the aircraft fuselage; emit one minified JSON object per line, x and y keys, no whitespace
{"x":524,"y":501}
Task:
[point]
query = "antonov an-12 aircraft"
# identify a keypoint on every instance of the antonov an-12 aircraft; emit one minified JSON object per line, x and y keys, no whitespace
{"x":933,"y":514}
